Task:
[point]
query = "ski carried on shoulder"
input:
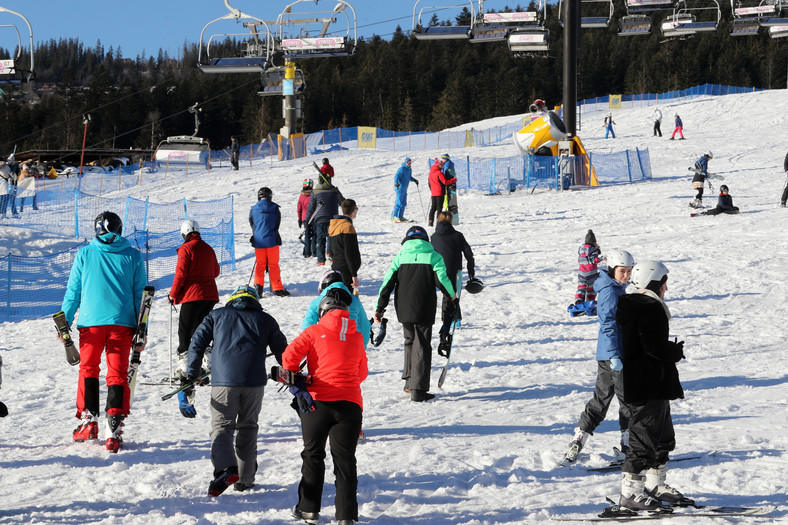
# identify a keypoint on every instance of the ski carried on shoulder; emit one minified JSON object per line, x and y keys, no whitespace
{"x":708,"y":175}
{"x":139,"y":339}
{"x":617,"y":513}
{"x":444,"y":349}
{"x":72,"y":354}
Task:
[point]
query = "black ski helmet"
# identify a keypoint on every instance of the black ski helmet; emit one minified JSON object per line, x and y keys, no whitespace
{"x":416,"y":232}
{"x":335,"y":298}
{"x":724,"y":188}
{"x":325,"y":161}
{"x":264,"y":193}
{"x":474,"y":285}
{"x":108,"y":222}
{"x":329,"y":278}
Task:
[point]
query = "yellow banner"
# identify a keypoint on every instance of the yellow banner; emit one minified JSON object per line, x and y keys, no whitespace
{"x":468,"y":138}
{"x":367,"y":137}
{"x":615,"y":101}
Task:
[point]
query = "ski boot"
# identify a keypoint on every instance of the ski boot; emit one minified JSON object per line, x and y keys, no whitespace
{"x":310,"y":517}
{"x":180,"y":370}
{"x":576,"y":445}
{"x":656,"y":487}
{"x":241,"y":487}
{"x":223,"y":479}
{"x":88,"y":427}
{"x":634,"y":497}
{"x":421,"y":395}
{"x":281,"y":293}
{"x":115,"y":427}
{"x":696,"y":203}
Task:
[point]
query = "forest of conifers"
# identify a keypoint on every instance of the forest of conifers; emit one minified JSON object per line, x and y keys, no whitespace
{"x":398,"y":84}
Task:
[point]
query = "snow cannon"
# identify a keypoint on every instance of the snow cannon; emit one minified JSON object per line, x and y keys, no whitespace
{"x":541,"y":136}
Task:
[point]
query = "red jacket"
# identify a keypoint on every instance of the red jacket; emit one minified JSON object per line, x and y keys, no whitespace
{"x":303,"y":205}
{"x":335,"y":357}
{"x":438,"y":180}
{"x":195,"y":273}
{"x":327,"y":169}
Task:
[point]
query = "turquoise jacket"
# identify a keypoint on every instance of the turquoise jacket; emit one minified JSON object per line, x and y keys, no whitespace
{"x":105,"y":283}
{"x":356,"y":309}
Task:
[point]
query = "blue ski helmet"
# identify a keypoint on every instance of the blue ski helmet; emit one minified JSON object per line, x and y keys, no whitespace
{"x":416,"y":232}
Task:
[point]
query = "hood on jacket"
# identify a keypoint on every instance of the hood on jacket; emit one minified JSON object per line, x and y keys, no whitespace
{"x":245,"y":303}
{"x":110,"y":242}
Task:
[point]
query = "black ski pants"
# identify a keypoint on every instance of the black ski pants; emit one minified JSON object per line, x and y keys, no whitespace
{"x":192,"y":314}
{"x":339,"y":422}
{"x":651,"y":435}
{"x":608,"y":383}
{"x":436,"y":205}
{"x":784,"y":196}
{"x":657,"y":130}
{"x":418,"y":356}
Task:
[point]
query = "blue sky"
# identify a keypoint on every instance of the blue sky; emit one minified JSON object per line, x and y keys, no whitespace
{"x":148,"y":25}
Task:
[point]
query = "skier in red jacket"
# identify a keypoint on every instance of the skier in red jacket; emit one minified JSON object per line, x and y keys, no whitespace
{"x":194,"y":286}
{"x":438,"y":182}
{"x":330,"y":405}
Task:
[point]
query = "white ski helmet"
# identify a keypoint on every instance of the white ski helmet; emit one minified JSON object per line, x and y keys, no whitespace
{"x":709,"y":154}
{"x":619,"y":258}
{"x":646,"y":272}
{"x":188,"y":227}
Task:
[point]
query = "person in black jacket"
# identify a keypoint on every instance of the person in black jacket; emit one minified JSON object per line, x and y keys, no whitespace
{"x":241,"y":331}
{"x":235,"y":152}
{"x":324,"y":204}
{"x":785,"y":190}
{"x":452,"y":245}
{"x":724,"y":204}
{"x":345,"y":256}
{"x":651,"y":381}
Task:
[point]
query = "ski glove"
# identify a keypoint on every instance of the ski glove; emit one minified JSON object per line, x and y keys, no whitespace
{"x":185,"y":403}
{"x":3,"y":409}
{"x":416,"y":181}
{"x":396,"y":186}
{"x":302,"y":400}
{"x":677,"y":348}
{"x":615,"y":364}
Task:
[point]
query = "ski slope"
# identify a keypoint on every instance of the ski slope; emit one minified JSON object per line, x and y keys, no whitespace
{"x":486,"y":451}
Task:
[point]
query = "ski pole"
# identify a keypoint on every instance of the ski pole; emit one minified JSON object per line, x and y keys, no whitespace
{"x":423,"y":212}
{"x":252,"y":274}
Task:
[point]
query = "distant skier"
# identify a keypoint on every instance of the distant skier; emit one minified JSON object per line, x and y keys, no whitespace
{"x":235,"y":152}
{"x":193,"y":287}
{"x":264,"y":218}
{"x":105,"y":285}
{"x":343,"y":242}
{"x":241,"y":332}
{"x":323,"y":205}
{"x":310,"y":245}
{"x":327,"y":169}
{"x":608,"y":125}
{"x":699,"y":180}
{"x":651,"y":381}
{"x":724,"y":204}
{"x":588,"y":258}
{"x":784,"y":197}
{"x":679,"y":127}
{"x":657,"y":122}
{"x":439,"y":182}
{"x":610,"y":285}
{"x":402,"y":180}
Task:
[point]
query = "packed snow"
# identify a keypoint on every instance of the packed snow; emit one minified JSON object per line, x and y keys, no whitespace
{"x":487,"y":449}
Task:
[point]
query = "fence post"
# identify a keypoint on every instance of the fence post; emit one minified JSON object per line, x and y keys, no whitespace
{"x":76,"y":214}
{"x":185,"y":210}
{"x":629,"y":167}
{"x":468,"y":169}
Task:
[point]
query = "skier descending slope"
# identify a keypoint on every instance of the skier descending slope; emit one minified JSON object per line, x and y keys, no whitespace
{"x":650,"y":382}
{"x":610,"y":285}
{"x":106,"y":285}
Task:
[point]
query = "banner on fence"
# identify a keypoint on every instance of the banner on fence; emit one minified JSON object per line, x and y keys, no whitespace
{"x":615,"y":101}
{"x":367,"y":137}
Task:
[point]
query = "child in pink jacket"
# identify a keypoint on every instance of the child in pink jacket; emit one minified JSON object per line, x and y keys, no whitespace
{"x":587,"y":258}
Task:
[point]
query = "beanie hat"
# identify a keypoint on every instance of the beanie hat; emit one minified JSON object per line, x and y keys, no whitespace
{"x":590,"y":238}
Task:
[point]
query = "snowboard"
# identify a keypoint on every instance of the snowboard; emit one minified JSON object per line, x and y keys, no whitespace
{"x":450,"y":203}
{"x":448,"y":343}
{"x":72,"y":354}
{"x":586,"y":308}
{"x":708,"y":175}
{"x":140,"y":336}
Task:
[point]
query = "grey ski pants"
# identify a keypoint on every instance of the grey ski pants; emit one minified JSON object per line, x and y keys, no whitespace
{"x":418,"y":356}
{"x":234,"y":413}
{"x":608,"y":382}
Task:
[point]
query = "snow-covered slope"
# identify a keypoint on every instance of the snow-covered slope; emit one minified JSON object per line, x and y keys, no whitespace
{"x":486,"y":450}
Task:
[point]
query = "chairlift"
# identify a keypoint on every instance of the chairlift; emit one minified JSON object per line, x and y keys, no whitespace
{"x":778,"y":31}
{"x":185,"y":149}
{"x":529,"y":42}
{"x":255,"y":52}
{"x":689,"y":19}
{"x":459,"y":32}
{"x":775,"y":13}
{"x":305,"y":34}
{"x":495,"y":27}
{"x":272,"y":82}
{"x":10,"y":70}
{"x":598,"y":16}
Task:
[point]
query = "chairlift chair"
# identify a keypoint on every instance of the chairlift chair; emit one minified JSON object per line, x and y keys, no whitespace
{"x":272,"y":82}
{"x":775,"y":13}
{"x":684,"y":21}
{"x":10,"y":71}
{"x":255,"y":52}
{"x":598,"y":17}
{"x":312,"y":38}
{"x":529,"y":42}
{"x":778,"y":31}
{"x":463,"y":32}
{"x":495,"y":27}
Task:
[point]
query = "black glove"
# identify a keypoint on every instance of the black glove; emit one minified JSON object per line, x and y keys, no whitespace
{"x":300,"y":223}
{"x":396,"y":186}
{"x":677,"y":348}
{"x":416,"y":181}
{"x":251,"y":240}
{"x":3,"y":409}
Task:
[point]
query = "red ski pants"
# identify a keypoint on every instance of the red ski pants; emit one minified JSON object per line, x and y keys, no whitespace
{"x":268,"y":259}
{"x":93,"y":340}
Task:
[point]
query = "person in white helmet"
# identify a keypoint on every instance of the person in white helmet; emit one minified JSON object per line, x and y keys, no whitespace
{"x":194,"y":286}
{"x":651,"y":381}
{"x":609,"y":286}
{"x":657,"y":122}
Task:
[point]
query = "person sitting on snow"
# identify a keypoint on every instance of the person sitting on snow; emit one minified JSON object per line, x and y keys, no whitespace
{"x":724,"y":204}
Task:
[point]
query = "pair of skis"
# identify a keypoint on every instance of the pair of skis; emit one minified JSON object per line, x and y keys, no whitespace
{"x":615,"y":512}
{"x":137,"y":341}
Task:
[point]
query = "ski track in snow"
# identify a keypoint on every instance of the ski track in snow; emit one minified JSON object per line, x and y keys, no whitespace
{"x":487,"y":450}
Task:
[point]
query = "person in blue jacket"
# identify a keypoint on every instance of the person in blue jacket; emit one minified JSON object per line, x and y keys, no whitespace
{"x":610,"y":285}
{"x":402,"y":180}
{"x":264,"y":218}
{"x":105,"y":285}
{"x":333,"y":279}
{"x":241,"y":332}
